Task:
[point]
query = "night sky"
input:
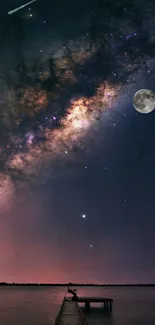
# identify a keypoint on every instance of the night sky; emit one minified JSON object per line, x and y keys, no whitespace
{"x":77,"y":161}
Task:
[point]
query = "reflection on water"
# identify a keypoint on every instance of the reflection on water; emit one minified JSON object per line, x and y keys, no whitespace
{"x":39,"y":305}
{"x":97,"y":316}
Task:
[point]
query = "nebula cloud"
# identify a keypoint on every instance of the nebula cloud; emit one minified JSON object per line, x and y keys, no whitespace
{"x":73,"y":128}
{"x":37,"y":147}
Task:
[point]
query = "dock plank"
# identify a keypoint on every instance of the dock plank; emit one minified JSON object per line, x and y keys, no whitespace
{"x":107,"y":302}
{"x":94,"y":299}
{"x":70,"y":314}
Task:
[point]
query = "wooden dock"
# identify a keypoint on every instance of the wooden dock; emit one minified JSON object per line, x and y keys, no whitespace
{"x":107,"y":302}
{"x":70,"y":314}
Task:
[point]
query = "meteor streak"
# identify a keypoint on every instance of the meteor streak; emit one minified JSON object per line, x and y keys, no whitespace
{"x":21,"y":7}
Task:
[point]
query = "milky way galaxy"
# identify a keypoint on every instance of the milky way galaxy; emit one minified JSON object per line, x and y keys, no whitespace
{"x":50,"y":134}
{"x":38,"y":147}
{"x":67,"y":78}
{"x":37,"y":133}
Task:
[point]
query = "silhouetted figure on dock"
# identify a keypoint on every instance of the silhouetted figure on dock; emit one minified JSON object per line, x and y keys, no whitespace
{"x":74,"y":293}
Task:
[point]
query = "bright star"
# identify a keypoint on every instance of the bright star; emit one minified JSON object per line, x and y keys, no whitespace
{"x":83,"y":216}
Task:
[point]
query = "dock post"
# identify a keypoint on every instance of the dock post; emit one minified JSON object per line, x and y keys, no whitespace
{"x":87,"y":305}
{"x":110,"y":307}
{"x":105,"y":306}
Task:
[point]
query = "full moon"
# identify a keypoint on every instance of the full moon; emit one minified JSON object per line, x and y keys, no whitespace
{"x":144,"y":101}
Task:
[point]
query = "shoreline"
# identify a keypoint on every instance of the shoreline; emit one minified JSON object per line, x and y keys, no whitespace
{"x":76,"y":284}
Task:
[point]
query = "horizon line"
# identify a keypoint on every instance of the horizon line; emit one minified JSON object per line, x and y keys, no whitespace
{"x":77,"y":284}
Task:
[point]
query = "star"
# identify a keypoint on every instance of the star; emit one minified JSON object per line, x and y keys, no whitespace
{"x":91,"y":245}
{"x":83,"y":216}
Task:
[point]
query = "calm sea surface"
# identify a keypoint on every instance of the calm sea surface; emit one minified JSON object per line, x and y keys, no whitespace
{"x":39,"y":305}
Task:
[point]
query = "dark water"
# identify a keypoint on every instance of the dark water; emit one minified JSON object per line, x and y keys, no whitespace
{"x":39,"y":305}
